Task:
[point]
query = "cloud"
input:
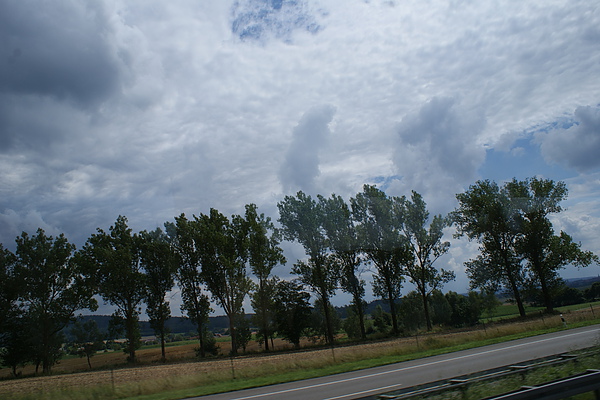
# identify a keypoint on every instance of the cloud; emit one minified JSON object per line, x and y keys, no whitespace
{"x":437,"y":151}
{"x":577,"y":146}
{"x":301,"y":165}
{"x":57,"y":49}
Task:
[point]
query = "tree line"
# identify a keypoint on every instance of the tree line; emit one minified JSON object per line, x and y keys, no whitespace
{"x":225,"y":259}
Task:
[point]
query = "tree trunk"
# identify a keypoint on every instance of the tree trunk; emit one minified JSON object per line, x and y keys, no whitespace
{"x":162,"y":347}
{"x":233,"y":335}
{"x":361,"y":316}
{"x":326,"y":311}
{"x":545,"y":292}
{"x":515,"y":290}
{"x":130,"y":322}
{"x":392,"y":303}
{"x":201,"y":340}
{"x":426,"y":310}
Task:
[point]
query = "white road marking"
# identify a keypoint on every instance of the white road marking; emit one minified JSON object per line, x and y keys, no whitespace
{"x":405,"y":369}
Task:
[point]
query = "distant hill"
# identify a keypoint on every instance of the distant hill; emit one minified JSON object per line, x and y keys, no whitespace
{"x":582,"y":283}
{"x":174,"y":324}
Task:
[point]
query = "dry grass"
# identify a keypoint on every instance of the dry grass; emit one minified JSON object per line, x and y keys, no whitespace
{"x":152,"y":377}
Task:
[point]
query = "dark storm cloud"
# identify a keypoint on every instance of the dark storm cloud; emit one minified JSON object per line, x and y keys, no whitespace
{"x":577,"y":146}
{"x":56,"y":49}
{"x":301,"y":164}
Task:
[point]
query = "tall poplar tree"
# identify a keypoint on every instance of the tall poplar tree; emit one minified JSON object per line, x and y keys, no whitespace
{"x":264,"y":254}
{"x":379,"y":228}
{"x":487,"y":214}
{"x":426,"y":246}
{"x":195,"y":303}
{"x":302,"y":219}
{"x":544,"y":251}
{"x":344,"y":244}
{"x":222,"y":246}
{"x":115,"y":259}
{"x":159,"y":264}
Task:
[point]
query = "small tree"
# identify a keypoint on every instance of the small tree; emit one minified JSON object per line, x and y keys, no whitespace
{"x":244,"y":334}
{"x":264,"y":254}
{"x":54,"y":288}
{"x":87,"y":339}
{"x":159,"y":263}
{"x":195,"y":304}
{"x":292,"y":311}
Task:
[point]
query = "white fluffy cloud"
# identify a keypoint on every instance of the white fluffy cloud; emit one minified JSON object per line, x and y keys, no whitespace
{"x":301,"y":164}
{"x":577,"y":146}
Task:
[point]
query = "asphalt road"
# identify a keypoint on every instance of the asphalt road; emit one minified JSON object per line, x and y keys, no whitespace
{"x":367,"y":382}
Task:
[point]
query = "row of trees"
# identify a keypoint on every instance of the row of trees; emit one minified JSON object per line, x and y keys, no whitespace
{"x":519,"y":249}
{"x":212,"y":257}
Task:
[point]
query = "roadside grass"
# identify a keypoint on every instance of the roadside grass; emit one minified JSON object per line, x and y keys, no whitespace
{"x":207,"y":377}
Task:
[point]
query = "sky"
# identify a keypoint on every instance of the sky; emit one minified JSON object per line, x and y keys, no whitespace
{"x":150,"y":109}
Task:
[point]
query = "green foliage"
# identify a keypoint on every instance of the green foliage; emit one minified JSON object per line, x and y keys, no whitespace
{"x":302,"y":219}
{"x":244,"y":334}
{"x":411,"y":312}
{"x":159,"y":263}
{"x":87,"y":339}
{"x":545,"y":253}
{"x":114,"y":259}
{"x":264,"y":254}
{"x":427,"y":247}
{"x":51,"y":288}
{"x":9,"y":290}
{"x":345,"y":248}
{"x":382,"y":321}
{"x":195,"y":304}
{"x":466,"y":310}
{"x":379,"y":220}
{"x":16,"y":350}
{"x":318,"y":325}
{"x":209,"y":345}
{"x":222,"y":245}
{"x":292,"y":311}
{"x":593,"y":293}
{"x":487,"y":213}
{"x":442,"y":310}
{"x":354,"y":325}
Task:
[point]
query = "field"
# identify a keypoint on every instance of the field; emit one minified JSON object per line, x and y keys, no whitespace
{"x":185,"y":376}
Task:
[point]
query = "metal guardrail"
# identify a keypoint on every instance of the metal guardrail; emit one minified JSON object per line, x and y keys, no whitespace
{"x":463,"y":382}
{"x":587,"y":382}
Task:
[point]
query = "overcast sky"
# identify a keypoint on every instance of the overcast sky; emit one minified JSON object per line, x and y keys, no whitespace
{"x":150,"y":109}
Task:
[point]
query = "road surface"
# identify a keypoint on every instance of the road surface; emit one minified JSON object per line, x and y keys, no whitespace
{"x":367,"y":382}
